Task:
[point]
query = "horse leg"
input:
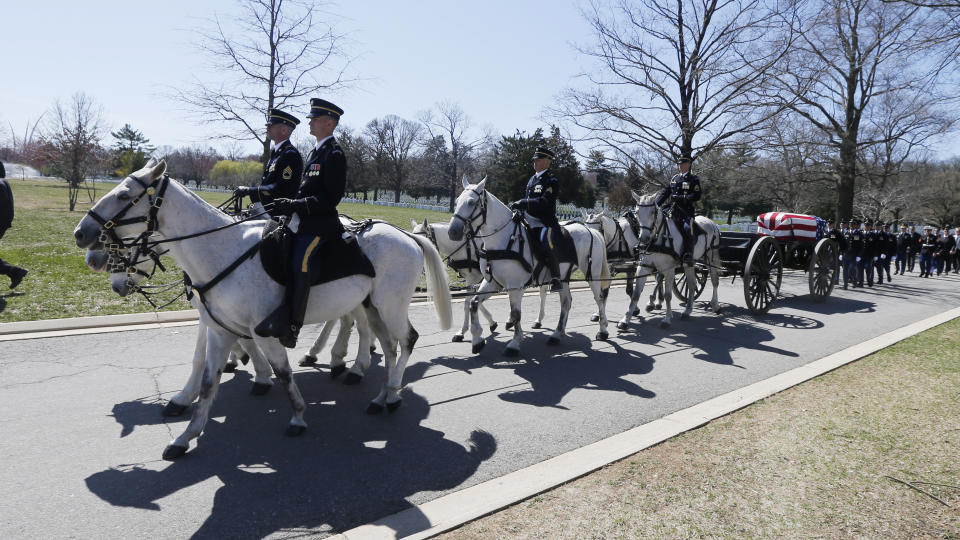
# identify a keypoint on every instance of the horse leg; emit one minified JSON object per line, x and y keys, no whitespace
{"x":486,"y":314}
{"x":262,"y":381}
{"x":338,"y":353}
{"x":667,"y":297}
{"x":310,"y":358}
{"x":632,"y":308}
{"x":277,"y":355}
{"x":600,"y":296}
{"x":362,"y":363}
{"x":543,"y":303}
{"x":566,"y":300}
{"x":215,"y":354}
{"x":653,"y":296}
{"x":389,"y":345}
{"x":485,"y":290}
{"x":233,"y":361}
{"x":691,"y":277}
{"x":513,"y":348}
{"x":178,"y":404}
{"x":395,"y":382}
{"x":458,"y":337}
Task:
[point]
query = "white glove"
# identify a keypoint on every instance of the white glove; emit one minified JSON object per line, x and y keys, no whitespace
{"x":858,"y":259}
{"x":841,"y":257}
{"x":883,"y":256}
{"x":894,"y":258}
{"x":874,"y":258}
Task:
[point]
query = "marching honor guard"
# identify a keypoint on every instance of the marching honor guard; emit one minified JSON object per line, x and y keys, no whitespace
{"x":851,"y":257}
{"x":540,"y":211}
{"x":315,"y":219}
{"x":868,"y":255}
{"x":927,"y":243}
{"x":904,"y":244}
{"x":284,"y":169}
{"x":683,"y":190}
{"x":915,"y":245}
{"x":837,"y":236}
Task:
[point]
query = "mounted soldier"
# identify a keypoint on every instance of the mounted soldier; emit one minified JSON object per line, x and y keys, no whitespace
{"x":315,"y":219}
{"x":682,"y":191}
{"x":540,"y":211}
{"x":284,"y":169}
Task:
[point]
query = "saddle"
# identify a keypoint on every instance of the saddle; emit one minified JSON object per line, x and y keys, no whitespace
{"x":566,"y":251}
{"x":277,"y":247}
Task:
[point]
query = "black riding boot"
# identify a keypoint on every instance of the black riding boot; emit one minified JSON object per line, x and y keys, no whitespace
{"x":285,"y":321}
{"x":555,"y":284}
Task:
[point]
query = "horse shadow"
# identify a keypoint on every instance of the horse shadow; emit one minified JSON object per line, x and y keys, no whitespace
{"x":554,"y":371}
{"x":348,"y":468}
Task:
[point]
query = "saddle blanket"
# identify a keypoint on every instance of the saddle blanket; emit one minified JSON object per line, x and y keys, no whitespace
{"x":791,"y":227}
{"x":334,"y":259}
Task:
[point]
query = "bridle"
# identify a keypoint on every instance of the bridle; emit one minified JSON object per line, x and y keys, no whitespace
{"x":480,"y":211}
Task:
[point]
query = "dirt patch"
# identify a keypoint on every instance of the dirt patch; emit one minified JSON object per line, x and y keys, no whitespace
{"x":826,"y":459}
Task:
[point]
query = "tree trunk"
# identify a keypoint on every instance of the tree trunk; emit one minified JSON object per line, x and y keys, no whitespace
{"x":846,"y":180}
{"x":396,"y":195}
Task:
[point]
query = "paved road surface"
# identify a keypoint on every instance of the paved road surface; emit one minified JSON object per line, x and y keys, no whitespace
{"x":82,"y":432}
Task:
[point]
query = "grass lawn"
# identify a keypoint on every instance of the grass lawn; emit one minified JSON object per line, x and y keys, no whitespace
{"x":59,"y":283}
{"x":825,"y":459}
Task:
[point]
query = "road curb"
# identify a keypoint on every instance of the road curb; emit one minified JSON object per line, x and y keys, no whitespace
{"x":451,"y":511}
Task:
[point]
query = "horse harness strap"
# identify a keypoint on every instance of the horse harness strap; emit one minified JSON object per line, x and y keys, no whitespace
{"x":202,"y":289}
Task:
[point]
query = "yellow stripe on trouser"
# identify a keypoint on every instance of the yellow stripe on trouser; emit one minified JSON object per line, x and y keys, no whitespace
{"x":550,"y":237}
{"x":306,"y":256}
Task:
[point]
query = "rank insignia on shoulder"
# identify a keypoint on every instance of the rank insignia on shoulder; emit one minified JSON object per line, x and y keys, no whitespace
{"x":287,"y":173}
{"x":697,"y":187}
{"x":538,"y":188}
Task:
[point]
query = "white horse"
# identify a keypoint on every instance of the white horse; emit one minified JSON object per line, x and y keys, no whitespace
{"x":205,"y":242}
{"x":493,"y":221}
{"x":660,"y":243}
{"x":464,"y":257}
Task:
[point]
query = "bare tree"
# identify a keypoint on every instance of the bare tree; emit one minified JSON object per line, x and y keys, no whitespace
{"x":393,"y":141}
{"x":276,"y":54}
{"x":71,"y":141}
{"x":848,"y":53}
{"x":452,"y":124}
{"x":677,"y":78}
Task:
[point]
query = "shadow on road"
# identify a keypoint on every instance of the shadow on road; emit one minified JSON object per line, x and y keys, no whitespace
{"x":348,"y":468}
{"x":553,"y":371}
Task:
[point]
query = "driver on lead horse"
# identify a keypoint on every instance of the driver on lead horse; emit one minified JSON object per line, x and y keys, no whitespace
{"x":315,"y":206}
{"x":540,"y":211}
{"x":683,"y":190}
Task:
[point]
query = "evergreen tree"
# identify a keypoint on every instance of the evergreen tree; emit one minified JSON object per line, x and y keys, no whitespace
{"x":131,"y":151}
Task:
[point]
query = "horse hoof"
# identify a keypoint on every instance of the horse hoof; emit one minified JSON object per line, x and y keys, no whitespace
{"x":308,"y":360}
{"x":394,"y":406}
{"x":509,"y":326}
{"x":510,"y":352}
{"x":684,"y":316}
{"x":229,"y":368}
{"x":622,"y":325}
{"x":259,"y":389}
{"x":552,"y":340}
{"x":536,"y":325}
{"x":352,"y":379}
{"x":664,"y":324}
{"x":337,"y":370}
{"x":649,"y":309}
{"x":294,"y":430}
{"x":172,"y":452}
{"x":173,"y":409}
{"x":374,"y":408}
{"x":718,"y":311}
{"x":594,"y":318}
{"x":457,"y":338}
{"x":602,"y":336}
{"x":659,"y":306}
{"x":477,"y":347}
{"x":493,"y":327}
{"x":245,"y":359}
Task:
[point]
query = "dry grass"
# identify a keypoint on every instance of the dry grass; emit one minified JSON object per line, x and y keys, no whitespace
{"x":815,"y":461}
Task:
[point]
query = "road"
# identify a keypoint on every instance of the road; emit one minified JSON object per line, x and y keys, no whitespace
{"x":83,"y":434}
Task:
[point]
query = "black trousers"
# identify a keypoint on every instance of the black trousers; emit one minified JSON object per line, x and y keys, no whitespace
{"x":5,"y":267}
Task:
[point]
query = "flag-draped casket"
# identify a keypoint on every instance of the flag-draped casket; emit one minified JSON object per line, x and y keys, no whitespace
{"x":787,"y":227}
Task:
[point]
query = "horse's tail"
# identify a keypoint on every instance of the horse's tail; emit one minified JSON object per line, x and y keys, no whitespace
{"x":437,"y":287}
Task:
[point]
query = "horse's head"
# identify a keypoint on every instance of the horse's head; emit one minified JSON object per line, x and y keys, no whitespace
{"x":124,"y":210}
{"x":646,"y":212}
{"x":601,"y":222}
{"x":470,"y":210}
{"x":419,"y":228}
{"x":127,"y":266}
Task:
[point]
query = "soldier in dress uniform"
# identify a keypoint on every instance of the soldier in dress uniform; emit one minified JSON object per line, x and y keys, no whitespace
{"x":314,"y":219}
{"x":683,"y":190}
{"x":851,"y":257}
{"x":956,"y":250}
{"x":868,"y":254}
{"x":837,"y":236}
{"x":886,"y":247}
{"x":949,"y":245}
{"x":927,"y":244}
{"x":942,"y":253}
{"x":15,"y":273}
{"x":540,"y":211}
{"x":904,"y":242}
{"x":284,"y":169}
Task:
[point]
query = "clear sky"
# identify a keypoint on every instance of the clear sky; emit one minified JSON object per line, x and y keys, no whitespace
{"x":501,"y":61}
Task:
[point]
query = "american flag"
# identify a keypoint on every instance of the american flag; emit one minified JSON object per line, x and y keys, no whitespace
{"x":791,"y":227}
